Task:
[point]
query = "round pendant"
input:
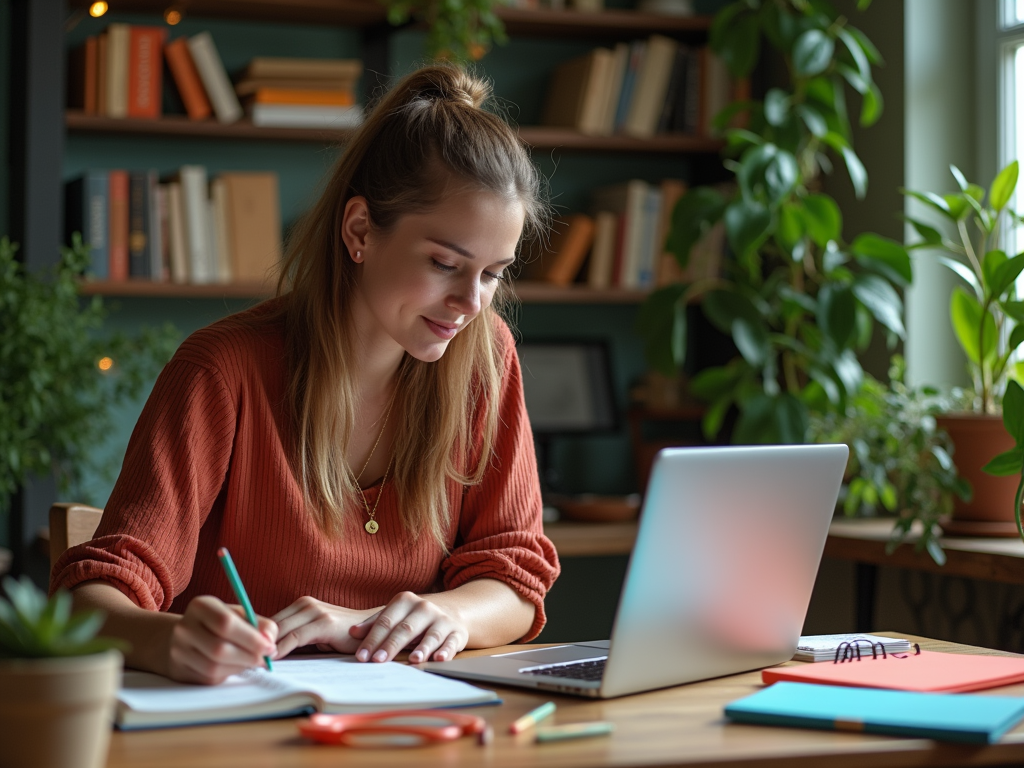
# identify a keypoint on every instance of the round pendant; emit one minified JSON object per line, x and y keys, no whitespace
{"x":371,"y":526}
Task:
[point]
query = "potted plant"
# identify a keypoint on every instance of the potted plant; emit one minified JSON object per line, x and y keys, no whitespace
{"x":988,"y":322}
{"x":798,"y":301}
{"x":59,"y":370}
{"x":461,"y":31}
{"x":901,"y":462}
{"x":58,"y":681}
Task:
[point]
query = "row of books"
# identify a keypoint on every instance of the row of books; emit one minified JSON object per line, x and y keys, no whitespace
{"x":119,"y":74}
{"x":641,"y":89}
{"x":622,"y":242}
{"x":183,"y":229}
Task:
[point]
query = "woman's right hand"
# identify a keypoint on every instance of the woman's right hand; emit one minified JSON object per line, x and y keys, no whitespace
{"x":213,"y":640}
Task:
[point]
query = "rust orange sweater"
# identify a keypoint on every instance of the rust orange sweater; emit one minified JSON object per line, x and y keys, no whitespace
{"x":206,"y":467}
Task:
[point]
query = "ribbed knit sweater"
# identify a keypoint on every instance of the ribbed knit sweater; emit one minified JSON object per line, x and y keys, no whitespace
{"x":206,"y":467}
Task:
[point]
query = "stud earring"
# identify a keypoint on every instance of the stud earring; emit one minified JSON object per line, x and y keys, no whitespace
{"x":359,"y":255}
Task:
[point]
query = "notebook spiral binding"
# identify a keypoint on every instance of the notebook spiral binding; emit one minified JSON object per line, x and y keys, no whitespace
{"x":851,"y":651}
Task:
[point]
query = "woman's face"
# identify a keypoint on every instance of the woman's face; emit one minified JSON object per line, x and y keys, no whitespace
{"x":427,"y":279}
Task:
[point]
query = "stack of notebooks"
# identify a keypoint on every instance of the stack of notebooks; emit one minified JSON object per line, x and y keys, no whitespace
{"x":641,"y":89}
{"x":119,"y":74}
{"x":183,"y":229}
{"x":313,"y":93}
{"x":911,"y":693}
{"x":833,"y":647}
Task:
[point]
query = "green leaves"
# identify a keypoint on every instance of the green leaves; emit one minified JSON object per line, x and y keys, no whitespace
{"x":1002,"y":187}
{"x":812,"y":53}
{"x":694,"y":214}
{"x":54,"y":401}
{"x":974,"y":327}
{"x":883,"y":256}
{"x":33,"y":627}
{"x":662,"y":324}
{"x":746,"y":225}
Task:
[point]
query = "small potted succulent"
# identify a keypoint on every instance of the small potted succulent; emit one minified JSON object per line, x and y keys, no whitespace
{"x":58,"y":681}
{"x":987,"y":315}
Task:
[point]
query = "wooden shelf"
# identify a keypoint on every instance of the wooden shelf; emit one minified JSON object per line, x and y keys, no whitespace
{"x":538,"y":137}
{"x":607,"y":24}
{"x":574,"y":539}
{"x":149,"y":289}
{"x":541,"y":293}
{"x":348,"y":13}
{"x":529,"y":293}
{"x":610,"y":24}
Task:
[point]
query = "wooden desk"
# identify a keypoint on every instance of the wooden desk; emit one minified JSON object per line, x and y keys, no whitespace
{"x":680,"y":726}
{"x":863,"y":541}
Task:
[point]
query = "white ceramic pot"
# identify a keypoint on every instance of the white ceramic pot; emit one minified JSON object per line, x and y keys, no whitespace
{"x":57,"y":713}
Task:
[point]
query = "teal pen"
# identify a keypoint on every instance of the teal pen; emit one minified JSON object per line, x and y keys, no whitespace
{"x":236,"y":584}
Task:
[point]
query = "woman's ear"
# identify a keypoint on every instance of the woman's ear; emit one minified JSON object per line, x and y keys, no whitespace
{"x":355,"y":227}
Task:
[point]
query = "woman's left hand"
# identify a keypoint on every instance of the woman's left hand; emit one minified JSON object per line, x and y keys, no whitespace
{"x":410,"y":621}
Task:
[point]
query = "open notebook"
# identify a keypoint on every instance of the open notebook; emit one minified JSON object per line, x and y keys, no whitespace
{"x":295,"y":687}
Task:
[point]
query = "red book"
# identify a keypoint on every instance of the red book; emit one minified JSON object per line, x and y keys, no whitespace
{"x":186,"y":78}
{"x":118,"y":233}
{"x":145,"y":71}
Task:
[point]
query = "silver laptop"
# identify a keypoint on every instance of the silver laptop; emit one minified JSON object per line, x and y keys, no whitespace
{"x":719,"y":581}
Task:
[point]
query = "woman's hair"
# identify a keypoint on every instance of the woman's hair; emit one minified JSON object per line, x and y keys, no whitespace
{"x":427,"y":136}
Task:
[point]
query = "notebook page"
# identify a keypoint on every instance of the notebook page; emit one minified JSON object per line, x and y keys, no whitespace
{"x":345,"y":683}
{"x":146,"y":692}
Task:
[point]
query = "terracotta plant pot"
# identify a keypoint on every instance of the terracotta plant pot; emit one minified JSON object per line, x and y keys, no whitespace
{"x":57,"y":713}
{"x":977,"y":438}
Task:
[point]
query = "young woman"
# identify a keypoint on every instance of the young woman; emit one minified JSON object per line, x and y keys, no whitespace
{"x":360,"y":443}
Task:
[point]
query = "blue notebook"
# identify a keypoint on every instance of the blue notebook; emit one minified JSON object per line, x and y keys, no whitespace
{"x":942,"y":716}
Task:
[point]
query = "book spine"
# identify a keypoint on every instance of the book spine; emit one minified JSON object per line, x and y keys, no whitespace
{"x":97,"y":217}
{"x":304,"y":97}
{"x":117,"y":70}
{"x":145,"y":72}
{"x":197,"y":229}
{"x":600,"y":273}
{"x":186,"y":79}
{"x":636,"y":55}
{"x":138,"y":225}
{"x":176,"y":236}
{"x":156,"y":238}
{"x":90,"y":103}
{"x":101,"y":74}
{"x":118,"y":225}
{"x":215,"y":78}
{"x":221,"y":230}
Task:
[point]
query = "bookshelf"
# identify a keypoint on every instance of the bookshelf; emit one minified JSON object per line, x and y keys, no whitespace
{"x":527,"y":292}
{"x":61,"y":143}
{"x":538,"y":137}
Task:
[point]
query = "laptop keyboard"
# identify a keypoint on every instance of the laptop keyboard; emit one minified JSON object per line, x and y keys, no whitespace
{"x":585,"y":669}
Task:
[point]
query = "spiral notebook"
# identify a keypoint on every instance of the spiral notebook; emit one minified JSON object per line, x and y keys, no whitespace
{"x":921,"y":671}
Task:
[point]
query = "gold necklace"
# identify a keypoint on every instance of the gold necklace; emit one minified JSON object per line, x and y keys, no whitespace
{"x":371,"y":525}
{"x":380,"y":434}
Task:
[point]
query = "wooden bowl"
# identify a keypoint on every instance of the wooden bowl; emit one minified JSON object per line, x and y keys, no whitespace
{"x":599,"y":509}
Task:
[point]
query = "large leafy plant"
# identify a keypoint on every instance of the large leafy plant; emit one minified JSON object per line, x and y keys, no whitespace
{"x":798,"y":301}
{"x":60,"y":371}
{"x":986,"y":312}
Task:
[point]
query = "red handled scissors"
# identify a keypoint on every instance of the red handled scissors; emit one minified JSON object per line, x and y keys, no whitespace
{"x":403,"y":728}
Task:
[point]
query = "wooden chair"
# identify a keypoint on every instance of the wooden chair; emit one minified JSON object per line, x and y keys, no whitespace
{"x":71,"y":524}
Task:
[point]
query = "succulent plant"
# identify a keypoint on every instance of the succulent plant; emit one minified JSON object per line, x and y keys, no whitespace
{"x":32,"y":626}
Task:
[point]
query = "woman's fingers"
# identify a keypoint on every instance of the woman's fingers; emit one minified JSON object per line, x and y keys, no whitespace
{"x":213,"y":641}
{"x":309,"y":621}
{"x":409,"y":620}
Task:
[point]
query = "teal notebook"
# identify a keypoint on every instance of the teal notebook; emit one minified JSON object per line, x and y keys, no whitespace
{"x":942,"y":716}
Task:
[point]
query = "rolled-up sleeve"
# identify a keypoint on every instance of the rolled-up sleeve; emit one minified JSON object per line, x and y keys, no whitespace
{"x":173,"y":470}
{"x":501,"y":533}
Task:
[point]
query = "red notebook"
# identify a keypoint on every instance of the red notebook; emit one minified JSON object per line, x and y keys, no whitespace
{"x":928,"y":671}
